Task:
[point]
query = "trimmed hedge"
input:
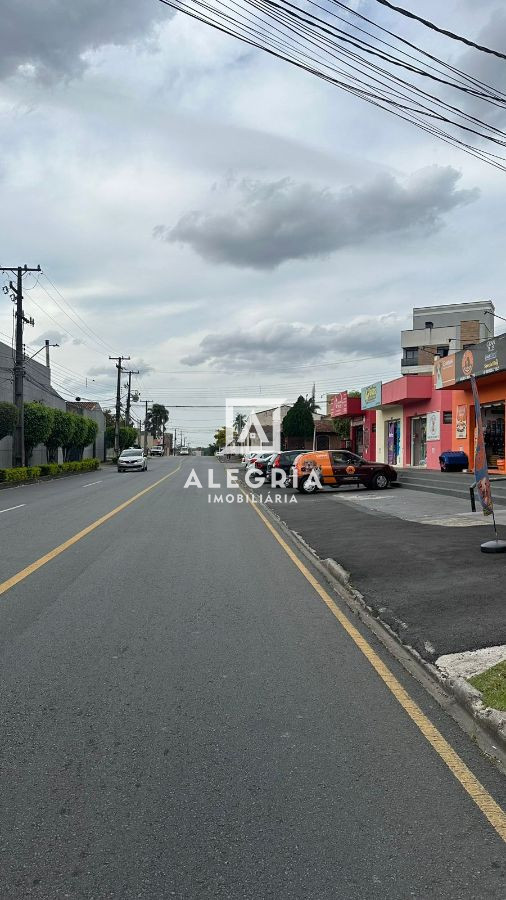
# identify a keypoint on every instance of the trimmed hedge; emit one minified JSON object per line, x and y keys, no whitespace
{"x":29,"y":473}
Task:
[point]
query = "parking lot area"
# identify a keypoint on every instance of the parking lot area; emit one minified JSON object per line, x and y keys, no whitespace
{"x":414,"y":560}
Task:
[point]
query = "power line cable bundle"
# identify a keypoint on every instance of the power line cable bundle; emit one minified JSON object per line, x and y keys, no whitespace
{"x":324,"y":39}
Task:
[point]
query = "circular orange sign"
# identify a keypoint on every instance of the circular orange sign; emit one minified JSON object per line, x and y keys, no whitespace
{"x":350,"y":470}
{"x":467,"y":362}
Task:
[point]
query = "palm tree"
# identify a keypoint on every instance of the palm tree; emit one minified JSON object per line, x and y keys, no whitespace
{"x":156,"y":420}
{"x":239,"y":422}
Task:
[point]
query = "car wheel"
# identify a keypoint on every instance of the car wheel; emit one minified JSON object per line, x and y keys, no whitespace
{"x":444,"y":467}
{"x":306,"y":486}
{"x":380,"y":481}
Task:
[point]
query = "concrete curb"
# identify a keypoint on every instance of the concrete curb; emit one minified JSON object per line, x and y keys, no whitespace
{"x":491,"y":721}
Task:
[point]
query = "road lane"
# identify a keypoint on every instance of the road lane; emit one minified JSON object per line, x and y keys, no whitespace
{"x":184,"y":718}
{"x":56,"y":510}
{"x":10,"y":508}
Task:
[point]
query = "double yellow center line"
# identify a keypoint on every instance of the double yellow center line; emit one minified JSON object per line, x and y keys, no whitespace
{"x":29,"y":570}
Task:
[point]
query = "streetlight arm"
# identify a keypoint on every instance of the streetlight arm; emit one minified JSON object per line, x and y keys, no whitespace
{"x":41,"y":348}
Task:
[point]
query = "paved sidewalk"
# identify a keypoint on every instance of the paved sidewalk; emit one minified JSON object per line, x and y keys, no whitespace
{"x":451,"y":484}
{"x":416,"y":565}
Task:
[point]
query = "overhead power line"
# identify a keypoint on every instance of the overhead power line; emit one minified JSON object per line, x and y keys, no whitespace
{"x":434,"y":27}
{"x":88,"y":328}
{"x":360,"y":63}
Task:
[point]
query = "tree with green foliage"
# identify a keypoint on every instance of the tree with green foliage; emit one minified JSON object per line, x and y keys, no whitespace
{"x":342,"y":424}
{"x":60,"y":434}
{"x":92,"y":432}
{"x":83,"y":433}
{"x":8,"y":419}
{"x":220,"y":438}
{"x":342,"y":427}
{"x":38,"y":421}
{"x":127,"y":436}
{"x":157,"y":418}
{"x":76,"y":436}
{"x":298,"y":421}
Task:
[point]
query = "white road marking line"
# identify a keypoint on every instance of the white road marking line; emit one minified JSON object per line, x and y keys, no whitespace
{"x":92,"y":482}
{"x":12,"y":507}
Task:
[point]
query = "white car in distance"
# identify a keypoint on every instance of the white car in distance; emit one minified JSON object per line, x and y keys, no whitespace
{"x":132,"y":459}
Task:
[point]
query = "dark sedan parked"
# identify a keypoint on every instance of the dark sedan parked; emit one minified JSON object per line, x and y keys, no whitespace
{"x":261,"y":462}
{"x":284,"y":461}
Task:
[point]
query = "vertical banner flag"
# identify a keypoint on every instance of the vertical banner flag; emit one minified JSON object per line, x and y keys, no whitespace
{"x":480,"y":458}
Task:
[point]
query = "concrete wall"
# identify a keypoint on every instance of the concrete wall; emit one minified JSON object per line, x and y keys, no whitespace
{"x":37,"y":387}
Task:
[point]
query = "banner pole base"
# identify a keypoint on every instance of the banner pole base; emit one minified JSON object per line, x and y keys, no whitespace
{"x":496,"y":546}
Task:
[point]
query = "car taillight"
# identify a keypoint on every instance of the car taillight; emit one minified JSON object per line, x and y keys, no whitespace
{"x":276,"y":462}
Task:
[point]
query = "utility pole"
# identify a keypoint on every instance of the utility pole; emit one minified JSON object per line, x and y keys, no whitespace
{"x":146,"y":428}
{"x":18,"y":446}
{"x":118,"y":402}
{"x":129,"y":372}
{"x":47,"y":352}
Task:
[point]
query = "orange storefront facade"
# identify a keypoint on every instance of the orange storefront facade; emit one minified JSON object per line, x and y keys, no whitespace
{"x":487,"y":362}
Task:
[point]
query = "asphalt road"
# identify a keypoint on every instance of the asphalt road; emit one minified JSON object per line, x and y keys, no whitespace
{"x":182,"y":716}
{"x":429,"y":582}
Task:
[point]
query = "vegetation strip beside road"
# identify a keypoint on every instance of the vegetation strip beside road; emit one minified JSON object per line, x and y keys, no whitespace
{"x":485,"y":802}
{"x":492,"y":685}
{"x":29,"y":570}
{"x":28,"y":474}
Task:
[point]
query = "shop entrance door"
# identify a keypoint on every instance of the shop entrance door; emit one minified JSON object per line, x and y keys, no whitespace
{"x":393,"y":442}
{"x":359,"y":440}
{"x":492,"y":415}
{"x":419,"y":441}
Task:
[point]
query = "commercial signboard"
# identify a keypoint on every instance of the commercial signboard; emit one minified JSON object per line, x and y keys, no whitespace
{"x":433,"y":426}
{"x":339,"y":404}
{"x":480,"y":458}
{"x":444,"y":371}
{"x":461,"y":421}
{"x":344,"y":405}
{"x":371,"y":395}
{"x":481,"y":359}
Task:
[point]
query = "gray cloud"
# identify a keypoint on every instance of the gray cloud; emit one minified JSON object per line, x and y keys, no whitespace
{"x":268,"y":223}
{"x":271,"y":345}
{"x":486,"y":68}
{"x":53,"y":336}
{"x":143,"y":367}
{"x":109,"y":370}
{"x":50,"y":38}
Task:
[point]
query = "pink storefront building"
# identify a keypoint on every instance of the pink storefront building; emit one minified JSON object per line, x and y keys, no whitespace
{"x":413,"y":423}
{"x":362,"y":423}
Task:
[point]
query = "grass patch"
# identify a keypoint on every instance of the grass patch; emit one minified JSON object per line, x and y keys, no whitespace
{"x":492,"y":685}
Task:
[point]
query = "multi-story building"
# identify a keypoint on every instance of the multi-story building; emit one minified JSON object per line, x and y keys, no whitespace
{"x":442,"y":330}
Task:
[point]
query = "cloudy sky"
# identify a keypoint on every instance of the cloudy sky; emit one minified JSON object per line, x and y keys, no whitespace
{"x":233,"y":224}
